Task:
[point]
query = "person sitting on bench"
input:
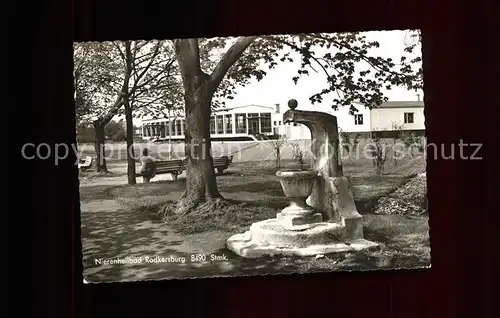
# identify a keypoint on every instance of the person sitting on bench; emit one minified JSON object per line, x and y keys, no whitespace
{"x":148,"y":166}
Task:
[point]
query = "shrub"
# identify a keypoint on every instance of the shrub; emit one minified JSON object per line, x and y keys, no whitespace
{"x":299,"y":155}
{"x":119,"y":136}
{"x":412,"y":141}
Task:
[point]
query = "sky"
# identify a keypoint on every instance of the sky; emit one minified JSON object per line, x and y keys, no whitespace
{"x":277,"y":86}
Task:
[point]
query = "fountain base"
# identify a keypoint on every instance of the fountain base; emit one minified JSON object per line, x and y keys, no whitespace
{"x":270,"y":238}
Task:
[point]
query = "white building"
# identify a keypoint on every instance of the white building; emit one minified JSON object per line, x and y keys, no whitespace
{"x":255,"y":122}
{"x":408,"y":114}
{"x":250,"y":122}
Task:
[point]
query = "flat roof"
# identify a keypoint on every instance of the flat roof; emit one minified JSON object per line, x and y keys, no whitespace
{"x":401,"y":104}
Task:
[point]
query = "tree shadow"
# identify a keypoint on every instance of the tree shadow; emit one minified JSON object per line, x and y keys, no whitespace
{"x":269,"y":188}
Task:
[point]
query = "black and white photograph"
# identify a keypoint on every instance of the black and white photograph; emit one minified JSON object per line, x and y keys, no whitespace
{"x":252,"y":155}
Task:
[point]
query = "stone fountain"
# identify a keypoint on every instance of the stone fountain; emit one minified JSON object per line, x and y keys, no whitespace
{"x":327,"y":221}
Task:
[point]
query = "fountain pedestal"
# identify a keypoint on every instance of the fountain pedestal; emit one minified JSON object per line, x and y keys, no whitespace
{"x":297,"y":186}
{"x":328,"y":221}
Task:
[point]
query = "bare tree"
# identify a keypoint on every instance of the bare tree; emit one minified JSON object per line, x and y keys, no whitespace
{"x":378,"y":152}
{"x":277,"y":145}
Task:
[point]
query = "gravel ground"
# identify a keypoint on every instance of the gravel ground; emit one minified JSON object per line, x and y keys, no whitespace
{"x":409,"y":199}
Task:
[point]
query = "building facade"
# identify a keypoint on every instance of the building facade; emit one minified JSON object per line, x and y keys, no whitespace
{"x":252,"y":122}
{"x":408,"y":115}
{"x":257,"y":122}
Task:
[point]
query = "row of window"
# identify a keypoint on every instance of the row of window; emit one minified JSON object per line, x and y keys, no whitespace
{"x":163,"y":129}
{"x":408,"y":118}
{"x":219,"y":124}
{"x":223,"y":124}
{"x":257,"y":123}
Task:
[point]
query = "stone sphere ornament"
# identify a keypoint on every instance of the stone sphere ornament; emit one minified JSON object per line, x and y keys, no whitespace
{"x":292,"y":104}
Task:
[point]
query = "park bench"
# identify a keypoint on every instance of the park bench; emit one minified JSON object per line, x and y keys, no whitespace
{"x":222,"y":163}
{"x":174,"y":167}
{"x":85,"y":164}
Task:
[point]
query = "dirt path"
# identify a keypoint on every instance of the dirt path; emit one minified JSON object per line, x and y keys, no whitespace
{"x":109,"y":181}
{"x":111,"y":233}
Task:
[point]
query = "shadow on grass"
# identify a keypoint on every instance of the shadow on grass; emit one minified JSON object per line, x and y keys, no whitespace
{"x":111,"y":235}
{"x":271,"y":188}
{"x":404,"y":240}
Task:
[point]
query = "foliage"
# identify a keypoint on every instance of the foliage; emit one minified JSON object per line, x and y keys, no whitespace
{"x":85,"y":134}
{"x":351,"y":73}
{"x":113,"y":128}
{"x":105,"y":73}
{"x":94,"y":73}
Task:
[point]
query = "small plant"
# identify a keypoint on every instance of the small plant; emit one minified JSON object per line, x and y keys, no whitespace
{"x":299,"y":155}
{"x":277,"y":145}
{"x":378,"y":152}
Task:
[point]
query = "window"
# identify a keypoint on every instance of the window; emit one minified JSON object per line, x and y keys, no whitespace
{"x":408,"y":118}
{"x":265,"y":123}
{"x":229,"y":124}
{"x":178,"y":131}
{"x":275,"y":123}
{"x":167,"y":129}
{"x":212,"y":125}
{"x":241,"y":123}
{"x":358,"y":119}
{"x":183,"y":129}
{"x":220,"y":124}
{"x":162,"y":129}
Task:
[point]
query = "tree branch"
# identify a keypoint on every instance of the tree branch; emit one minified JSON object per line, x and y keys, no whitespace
{"x":229,"y":58}
{"x":146,"y":68}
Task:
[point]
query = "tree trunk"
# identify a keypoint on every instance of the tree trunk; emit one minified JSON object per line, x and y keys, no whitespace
{"x":379,"y":170}
{"x":201,"y":184}
{"x":278,"y":158}
{"x":99,"y":146}
{"x":199,"y":88}
{"x":130,"y":143}
{"x":128,"y":114}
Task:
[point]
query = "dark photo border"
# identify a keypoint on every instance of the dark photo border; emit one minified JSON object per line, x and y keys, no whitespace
{"x":44,"y":260}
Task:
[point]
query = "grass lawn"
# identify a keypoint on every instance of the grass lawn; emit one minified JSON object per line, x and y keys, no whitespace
{"x":254,"y":193}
